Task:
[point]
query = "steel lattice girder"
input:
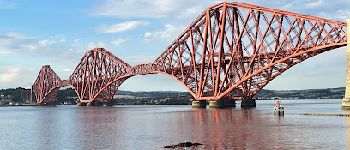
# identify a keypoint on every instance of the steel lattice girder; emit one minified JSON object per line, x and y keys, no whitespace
{"x":98,"y":75}
{"x":46,"y":85}
{"x":236,"y":49}
{"x":232,"y":50}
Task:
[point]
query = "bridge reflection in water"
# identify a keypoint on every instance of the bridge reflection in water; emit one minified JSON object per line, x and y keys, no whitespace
{"x":347,"y":121}
{"x":152,"y":127}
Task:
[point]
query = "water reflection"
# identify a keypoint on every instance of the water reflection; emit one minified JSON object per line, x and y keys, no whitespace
{"x":52,"y":128}
{"x":227,"y":128}
{"x":97,"y":128}
{"x":347,"y":122}
{"x":152,"y":127}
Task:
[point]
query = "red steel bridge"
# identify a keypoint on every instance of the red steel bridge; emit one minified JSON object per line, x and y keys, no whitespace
{"x":231,"y":51}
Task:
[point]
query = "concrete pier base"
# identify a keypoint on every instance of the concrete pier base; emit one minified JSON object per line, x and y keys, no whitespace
{"x":48,"y":104}
{"x":199,"y":104}
{"x":216,"y":104}
{"x":109,"y":104}
{"x":345,"y":104}
{"x":97,"y":103}
{"x":81,"y":104}
{"x":102,"y":103}
{"x":248,"y":103}
{"x":230,"y":103}
{"x":222,"y":103}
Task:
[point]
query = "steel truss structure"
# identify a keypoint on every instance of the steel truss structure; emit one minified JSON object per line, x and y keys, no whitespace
{"x":232,"y":50}
{"x":97,"y":76}
{"x":46,"y":86}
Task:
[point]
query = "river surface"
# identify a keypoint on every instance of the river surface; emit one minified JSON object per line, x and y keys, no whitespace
{"x":152,"y":127}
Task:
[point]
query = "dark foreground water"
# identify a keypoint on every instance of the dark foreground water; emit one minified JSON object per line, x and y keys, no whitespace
{"x":152,"y":127}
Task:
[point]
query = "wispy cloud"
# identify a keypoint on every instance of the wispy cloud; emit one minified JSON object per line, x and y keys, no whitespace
{"x":334,"y":10}
{"x":93,"y":45}
{"x":119,"y":41}
{"x":46,"y":42}
{"x":146,"y":8}
{"x":139,"y":59}
{"x":5,"y":52}
{"x":342,"y":14}
{"x":121,"y":27}
{"x":9,"y":75}
{"x":11,"y":43}
{"x":67,"y":70}
{"x":315,"y":3}
{"x":7,"y":5}
{"x":169,"y":32}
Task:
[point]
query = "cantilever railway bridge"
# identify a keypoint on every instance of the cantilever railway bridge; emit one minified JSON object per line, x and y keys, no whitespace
{"x":231,"y":51}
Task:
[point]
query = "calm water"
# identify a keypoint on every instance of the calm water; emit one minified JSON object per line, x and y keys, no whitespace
{"x":152,"y":127}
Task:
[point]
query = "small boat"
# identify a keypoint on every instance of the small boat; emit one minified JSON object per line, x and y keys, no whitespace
{"x":278,"y":109}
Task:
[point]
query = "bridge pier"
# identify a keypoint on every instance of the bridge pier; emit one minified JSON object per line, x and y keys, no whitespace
{"x":216,"y":104}
{"x":346,"y":101}
{"x":230,"y":103}
{"x":248,"y":103}
{"x":52,"y":103}
{"x":81,"y":104}
{"x":345,"y":104}
{"x":102,"y":103}
{"x":95,"y":103}
{"x":199,"y":104}
{"x":89,"y":104}
{"x":222,"y":103}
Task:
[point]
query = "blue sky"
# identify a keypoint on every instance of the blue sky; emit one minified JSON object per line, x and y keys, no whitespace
{"x":38,"y":32}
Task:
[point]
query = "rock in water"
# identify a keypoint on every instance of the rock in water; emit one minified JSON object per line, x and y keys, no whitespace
{"x":184,"y":144}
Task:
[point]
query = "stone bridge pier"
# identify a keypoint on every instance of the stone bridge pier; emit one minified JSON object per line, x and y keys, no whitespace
{"x":346,"y":101}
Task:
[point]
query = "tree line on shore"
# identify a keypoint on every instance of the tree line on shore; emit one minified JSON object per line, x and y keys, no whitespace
{"x":22,"y":95}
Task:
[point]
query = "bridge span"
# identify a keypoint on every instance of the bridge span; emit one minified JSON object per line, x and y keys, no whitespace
{"x":228,"y":53}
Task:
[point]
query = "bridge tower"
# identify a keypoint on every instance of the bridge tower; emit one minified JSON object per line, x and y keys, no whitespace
{"x":346,"y":101}
{"x":46,"y":86}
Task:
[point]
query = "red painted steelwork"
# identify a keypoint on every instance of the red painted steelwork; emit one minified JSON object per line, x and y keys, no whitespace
{"x":235,"y":49}
{"x":46,"y":86}
{"x":97,"y":75}
{"x":232,"y":50}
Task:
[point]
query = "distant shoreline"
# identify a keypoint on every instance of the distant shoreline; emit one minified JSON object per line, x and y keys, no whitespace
{"x":22,"y":96}
{"x":150,"y":104}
